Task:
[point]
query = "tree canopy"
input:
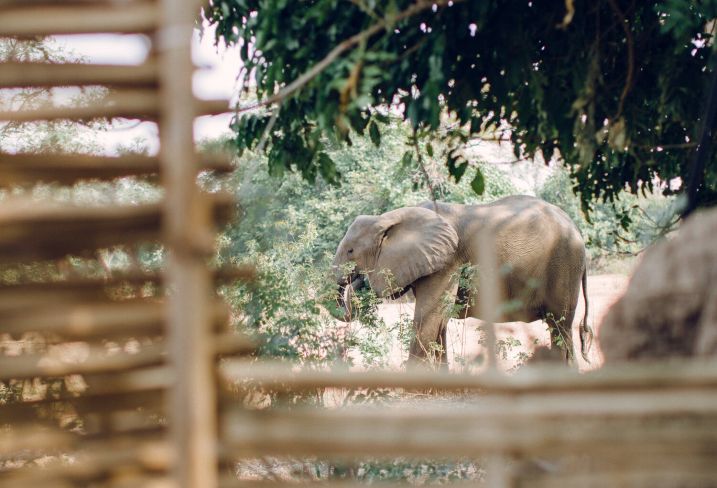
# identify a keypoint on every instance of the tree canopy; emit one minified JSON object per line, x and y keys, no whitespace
{"x":616,"y":88}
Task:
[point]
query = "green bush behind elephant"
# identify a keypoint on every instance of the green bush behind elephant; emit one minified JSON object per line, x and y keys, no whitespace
{"x":539,"y":251}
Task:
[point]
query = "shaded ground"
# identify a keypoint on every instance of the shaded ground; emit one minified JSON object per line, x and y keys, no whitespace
{"x":515,"y":339}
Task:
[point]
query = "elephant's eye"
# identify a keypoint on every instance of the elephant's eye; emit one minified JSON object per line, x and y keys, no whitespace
{"x":351,"y":251}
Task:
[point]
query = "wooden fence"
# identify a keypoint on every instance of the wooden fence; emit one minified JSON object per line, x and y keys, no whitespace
{"x":123,"y":386}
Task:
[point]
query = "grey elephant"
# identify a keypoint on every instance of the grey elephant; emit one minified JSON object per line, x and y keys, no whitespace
{"x":669,"y":309}
{"x":539,"y":250}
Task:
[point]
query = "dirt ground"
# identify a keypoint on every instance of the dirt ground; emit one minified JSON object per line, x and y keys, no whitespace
{"x":463,"y":347}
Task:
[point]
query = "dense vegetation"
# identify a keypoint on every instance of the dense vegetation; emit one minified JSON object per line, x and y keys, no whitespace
{"x":615,"y":87}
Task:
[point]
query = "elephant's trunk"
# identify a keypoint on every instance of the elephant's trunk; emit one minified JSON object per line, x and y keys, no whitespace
{"x":347,"y":287}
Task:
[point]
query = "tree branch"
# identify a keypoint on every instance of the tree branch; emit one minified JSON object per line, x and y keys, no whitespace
{"x":630,"y":56}
{"x":344,"y":46}
{"x":421,"y":164}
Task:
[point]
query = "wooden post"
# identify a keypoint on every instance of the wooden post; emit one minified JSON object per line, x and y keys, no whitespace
{"x":187,"y":231}
{"x":489,"y":293}
{"x":497,"y":475}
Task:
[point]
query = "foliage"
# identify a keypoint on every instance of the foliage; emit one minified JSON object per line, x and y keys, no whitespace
{"x":623,"y":227}
{"x":614,"y":87}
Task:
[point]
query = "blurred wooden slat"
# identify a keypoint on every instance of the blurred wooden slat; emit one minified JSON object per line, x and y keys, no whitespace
{"x":70,"y":168}
{"x":572,"y":405}
{"x":232,"y":343}
{"x":102,"y":320}
{"x":672,"y":473}
{"x":152,"y":456}
{"x":463,"y":431}
{"x":33,"y":438}
{"x":15,"y":413}
{"x":135,"y":104}
{"x":83,"y":322}
{"x":23,"y":295}
{"x":152,"y":378}
{"x":16,"y":297}
{"x":51,"y":231}
{"x":97,"y":360}
{"x":246,"y":273}
{"x":129,"y":104}
{"x":34,"y":74}
{"x":46,"y":20}
{"x":674,"y":375}
{"x":38,"y":3}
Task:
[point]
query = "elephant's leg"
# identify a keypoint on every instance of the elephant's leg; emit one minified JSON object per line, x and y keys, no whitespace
{"x":435,"y":296}
{"x":561,"y":332}
{"x":443,"y":343}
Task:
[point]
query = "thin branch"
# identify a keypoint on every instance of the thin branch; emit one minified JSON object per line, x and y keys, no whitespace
{"x":630,"y":56}
{"x":422,"y":165}
{"x":344,"y":46}
{"x":267,"y":131}
{"x":685,"y":145}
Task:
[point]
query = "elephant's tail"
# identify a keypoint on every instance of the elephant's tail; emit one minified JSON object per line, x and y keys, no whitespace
{"x":586,"y":332}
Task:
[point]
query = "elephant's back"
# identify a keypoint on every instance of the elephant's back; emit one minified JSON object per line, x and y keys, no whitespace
{"x":534,"y":239}
{"x":529,"y":217}
{"x":522,"y":226}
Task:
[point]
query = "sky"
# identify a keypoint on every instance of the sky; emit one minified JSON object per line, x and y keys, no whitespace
{"x":215,"y":78}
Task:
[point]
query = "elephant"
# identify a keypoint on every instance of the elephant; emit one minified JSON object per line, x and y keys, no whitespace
{"x":669,"y":309}
{"x":539,"y":250}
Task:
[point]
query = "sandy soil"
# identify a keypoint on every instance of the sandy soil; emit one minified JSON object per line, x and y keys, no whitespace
{"x":463,"y":336}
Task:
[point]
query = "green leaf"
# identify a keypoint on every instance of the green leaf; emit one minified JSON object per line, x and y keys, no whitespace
{"x":357,"y":121}
{"x":407,"y":159}
{"x":381,"y":118}
{"x":327,"y":168}
{"x":478,"y":182}
{"x":429,"y":149}
{"x":374,"y":134}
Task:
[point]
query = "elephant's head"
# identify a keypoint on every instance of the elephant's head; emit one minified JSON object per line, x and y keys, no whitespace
{"x":392,"y":250}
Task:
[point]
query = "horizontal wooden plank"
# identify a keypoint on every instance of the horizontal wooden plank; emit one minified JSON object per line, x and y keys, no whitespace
{"x":34,"y":231}
{"x":70,"y":168}
{"x":30,"y":438}
{"x":233,"y":343}
{"x":669,"y":473}
{"x":78,"y":321}
{"x":35,"y":74}
{"x":129,"y":104}
{"x":151,"y":401}
{"x":46,"y":20}
{"x":17,"y":297}
{"x":97,"y":360}
{"x":89,"y":321}
{"x":138,"y":380}
{"x":89,"y":465}
{"x":229,"y":274}
{"x":464,"y":430}
{"x":24,"y":295}
{"x":45,"y":231}
{"x":545,"y":378}
{"x":509,"y":406}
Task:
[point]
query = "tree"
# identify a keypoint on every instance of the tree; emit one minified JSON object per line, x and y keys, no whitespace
{"x":615,"y":87}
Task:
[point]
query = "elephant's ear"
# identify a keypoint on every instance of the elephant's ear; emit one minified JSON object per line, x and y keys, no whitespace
{"x":415,"y":242}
